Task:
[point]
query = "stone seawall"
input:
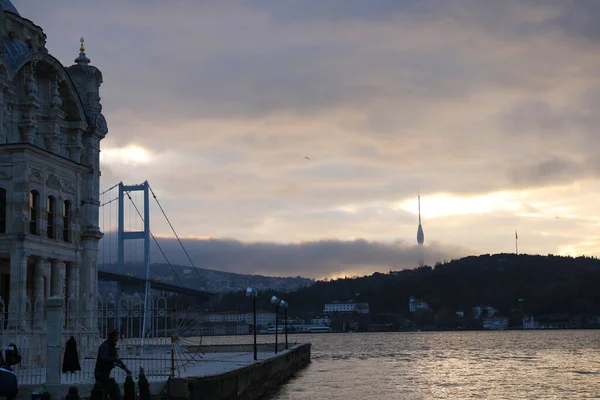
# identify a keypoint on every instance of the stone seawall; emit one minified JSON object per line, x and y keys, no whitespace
{"x":240,"y":348}
{"x":247,"y":383}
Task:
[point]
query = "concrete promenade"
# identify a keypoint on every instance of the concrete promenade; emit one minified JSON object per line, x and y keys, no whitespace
{"x":224,"y":361}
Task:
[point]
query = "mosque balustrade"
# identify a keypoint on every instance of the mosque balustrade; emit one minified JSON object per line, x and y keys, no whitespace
{"x":33,"y":279}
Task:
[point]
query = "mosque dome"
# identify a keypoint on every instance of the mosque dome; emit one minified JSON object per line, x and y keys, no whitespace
{"x":6,"y":5}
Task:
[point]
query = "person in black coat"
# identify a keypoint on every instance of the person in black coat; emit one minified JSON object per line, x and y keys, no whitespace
{"x":9,"y":386}
{"x":71,"y":357}
{"x":107,"y":359}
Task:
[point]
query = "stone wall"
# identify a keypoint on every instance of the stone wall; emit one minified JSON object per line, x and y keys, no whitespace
{"x":239,"y":348}
{"x":248,"y":383}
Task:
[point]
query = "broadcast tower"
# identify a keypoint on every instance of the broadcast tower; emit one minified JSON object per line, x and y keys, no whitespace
{"x":420,"y":236}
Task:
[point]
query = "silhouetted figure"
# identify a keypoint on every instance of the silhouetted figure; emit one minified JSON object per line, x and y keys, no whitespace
{"x":9,"y":386}
{"x":97,"y":392}
{"x":107,"y":359}
{"x":12,"y":355}
{"x":71,"y":357}
{"x":144,"y":386}
{"x":129,"y":389}
{"x":73,"y":394}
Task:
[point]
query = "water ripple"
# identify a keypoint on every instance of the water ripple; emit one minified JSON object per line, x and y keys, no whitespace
{"x":449,"y":365}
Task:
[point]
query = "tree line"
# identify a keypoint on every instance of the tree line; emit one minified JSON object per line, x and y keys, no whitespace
{"x":513,"y":284}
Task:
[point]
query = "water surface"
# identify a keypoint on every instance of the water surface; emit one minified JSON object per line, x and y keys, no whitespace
{"x":554,"y":364}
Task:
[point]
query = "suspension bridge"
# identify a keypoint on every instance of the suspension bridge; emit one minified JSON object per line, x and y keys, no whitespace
{"x":128,"y":245}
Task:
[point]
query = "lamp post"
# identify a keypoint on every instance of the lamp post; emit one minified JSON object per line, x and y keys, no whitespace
{"x":276,"y":301}
{"x":284,"y":304}
{"x":253,"y":293}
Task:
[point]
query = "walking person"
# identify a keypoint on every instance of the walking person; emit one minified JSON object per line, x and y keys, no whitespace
{"x":107,"y":359}
{"x":9,"y":387}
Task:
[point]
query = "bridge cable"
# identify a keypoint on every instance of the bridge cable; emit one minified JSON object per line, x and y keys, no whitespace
{"x":155,"y":241}
{"x":110,"y":236}
{"x":110,"y":188}
{"x":108,"y":202}
{"x":175,"y":233}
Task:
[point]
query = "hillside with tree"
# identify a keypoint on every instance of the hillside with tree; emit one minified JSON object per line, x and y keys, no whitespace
{"x":516,"y":285}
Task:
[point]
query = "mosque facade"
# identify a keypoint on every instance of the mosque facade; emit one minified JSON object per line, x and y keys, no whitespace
{"x":51,"y":125}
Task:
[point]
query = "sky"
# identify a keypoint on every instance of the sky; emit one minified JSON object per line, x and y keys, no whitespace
{"x":488,"y":108}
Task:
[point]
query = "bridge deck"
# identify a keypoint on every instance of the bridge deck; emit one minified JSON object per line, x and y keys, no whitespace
{"x":157,"y":285}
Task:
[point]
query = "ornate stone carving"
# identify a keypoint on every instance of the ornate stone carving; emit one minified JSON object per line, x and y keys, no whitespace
{"x":31,"y":88}
{"x":54,"y":133}
{"x":56,"y":101}
{"x":36,"y":176}
{"x":53,"y":182}
{"x":69,"y":187}
{"x":28,"y":124}
{"x":5,"y":174}
{"x":87,"y":80}
{"x":75,"y":146}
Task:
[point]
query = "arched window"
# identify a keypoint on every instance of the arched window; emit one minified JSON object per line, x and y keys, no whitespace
{"x":2,"y":210}
{"x":34,"y":201}
{"x":67,"y":221}
{"x":51,"y":211}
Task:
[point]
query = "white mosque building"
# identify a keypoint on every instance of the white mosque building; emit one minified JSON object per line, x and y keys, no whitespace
{"x":51,"y":126}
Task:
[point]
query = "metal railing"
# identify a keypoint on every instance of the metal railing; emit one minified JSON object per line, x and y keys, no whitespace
{"x":89,"y":321}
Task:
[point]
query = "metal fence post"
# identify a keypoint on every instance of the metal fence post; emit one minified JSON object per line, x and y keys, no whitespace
{"x":54,"y":317}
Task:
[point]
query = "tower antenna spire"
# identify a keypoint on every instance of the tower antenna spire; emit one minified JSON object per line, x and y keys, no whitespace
{"x":420,"y":234}
{"x":419,"y":199}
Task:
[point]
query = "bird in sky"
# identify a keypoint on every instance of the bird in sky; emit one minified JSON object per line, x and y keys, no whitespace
{"x":307,"y":158}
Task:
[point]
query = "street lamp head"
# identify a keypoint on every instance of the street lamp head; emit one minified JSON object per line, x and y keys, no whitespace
{"x":251,"y":292}
{"x":275,"y":300}
{"x":283,"y":304}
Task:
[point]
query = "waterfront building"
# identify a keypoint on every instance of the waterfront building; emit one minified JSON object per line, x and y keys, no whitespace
{"x":323,"y":321}
{"x":346,"y":307}
{"x":529,"y":323}
{"x":263,"y":318}
{"x":496,"y":323}
{"x":223,"y":328}
{"x":51,"y":125}
{"x":417,"y":304}
{"x":483,"y":311}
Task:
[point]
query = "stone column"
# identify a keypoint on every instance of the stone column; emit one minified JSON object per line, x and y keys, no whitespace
{"x":89,"y":269}
{"x":88,"y":277}
{"x":38,"y":292}
{"x":73,"y":281}
{"x":84,"y":279}
{"x":73,"y":307}
{"x":54,"y":313}
{"x":57,"y":274}
{"x":17,"y":308}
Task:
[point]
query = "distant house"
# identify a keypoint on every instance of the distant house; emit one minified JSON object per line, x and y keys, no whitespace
{"x":346,"y":307}
{"x":417,"y":304}
{"x":321,"y":321}
{"x":529,"y":323}
{"x":263,"y":318}
{"x":483,"y":311}
{"x":224,"y":328}
{"x":495,"y":323}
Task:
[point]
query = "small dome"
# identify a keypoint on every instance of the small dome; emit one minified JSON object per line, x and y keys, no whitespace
{"x":6,"y":5}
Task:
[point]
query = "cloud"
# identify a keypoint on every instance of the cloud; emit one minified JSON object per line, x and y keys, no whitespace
{"x":471,"y":101}
{"x":315,"y":259}
{"x":552,"y":170}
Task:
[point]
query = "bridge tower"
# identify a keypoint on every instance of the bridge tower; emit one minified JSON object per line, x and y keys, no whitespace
{"x":122,"y":236}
